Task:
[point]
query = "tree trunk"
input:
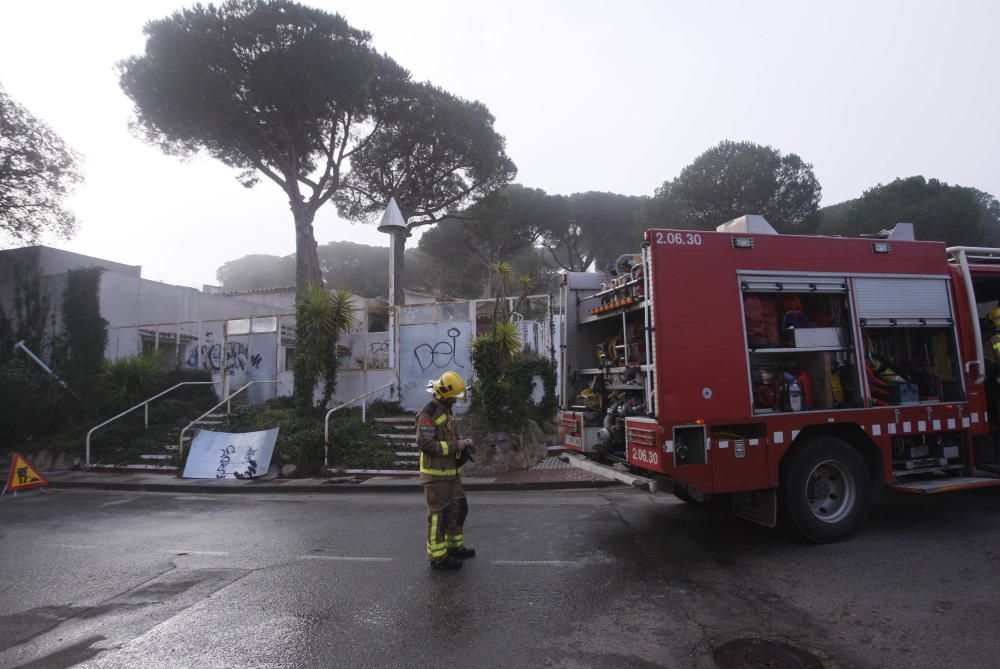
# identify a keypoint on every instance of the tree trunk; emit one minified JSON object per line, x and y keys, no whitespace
{"x":307,"y":271}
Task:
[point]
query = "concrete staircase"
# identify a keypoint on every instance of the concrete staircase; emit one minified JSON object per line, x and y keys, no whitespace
{"x":401,"y":435}
{"x":164,"y":461}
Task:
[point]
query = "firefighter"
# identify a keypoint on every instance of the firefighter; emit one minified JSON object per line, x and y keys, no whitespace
{"x":442,"y":453}
{"x":992,"y":354}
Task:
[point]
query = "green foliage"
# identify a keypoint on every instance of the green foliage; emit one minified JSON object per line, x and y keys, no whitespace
{"x":600,"y":227}
{"x":521,"y":375}
{"x":320,"y":317}
{"x":501,"y":393}
{"x":436,"y":153}
{"x":33,"y":404}
{"x":733,"y":179}
{"x":37,"y":173}
{"x":300,"y":437}
{"x":503,"y":227}
{"x":359,"y":268}
{"x":956,"y":215}
{"x":490,"y":393}
{"x":29,"y":320}
{"x":132,"y":379}
{"x":271,"y":88}
{"x":85,"y":333}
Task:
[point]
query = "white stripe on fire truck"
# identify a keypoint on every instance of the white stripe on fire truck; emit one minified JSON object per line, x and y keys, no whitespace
{"x":907,"y":426}
{"x":951,"y":423}
{"x":779,"y":438}
{"x":937,"y":425}
{"x":965,"y":421}
{"x":892,"y":428}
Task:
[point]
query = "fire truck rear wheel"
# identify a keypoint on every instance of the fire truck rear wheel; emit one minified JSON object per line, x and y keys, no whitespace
{"x":827,"y":491}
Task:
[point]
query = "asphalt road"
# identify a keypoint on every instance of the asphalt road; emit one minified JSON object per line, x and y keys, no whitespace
{"x":594,"y":578}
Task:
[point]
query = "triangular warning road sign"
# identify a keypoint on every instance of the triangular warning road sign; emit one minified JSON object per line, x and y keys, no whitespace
{"x":23,"y":475}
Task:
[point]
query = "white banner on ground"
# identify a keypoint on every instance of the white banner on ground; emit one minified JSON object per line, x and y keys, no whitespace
{"x":222,"y":455}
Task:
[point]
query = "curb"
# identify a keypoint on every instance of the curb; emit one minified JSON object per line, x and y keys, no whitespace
{"x":251,"y":488}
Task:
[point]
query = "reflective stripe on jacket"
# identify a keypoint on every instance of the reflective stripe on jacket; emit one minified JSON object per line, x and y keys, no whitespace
{"x":437,"y":439}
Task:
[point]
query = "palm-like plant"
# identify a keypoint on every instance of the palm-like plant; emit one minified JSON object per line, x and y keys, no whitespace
{"x":132,"y":378}
{"x":320,"y":317}
{"x":504,"y":270}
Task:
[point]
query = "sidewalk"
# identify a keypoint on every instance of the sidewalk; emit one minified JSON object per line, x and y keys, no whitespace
{"x":550,"y":474}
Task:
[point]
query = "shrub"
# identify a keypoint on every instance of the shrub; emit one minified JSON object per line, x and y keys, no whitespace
{"x":300,"y":436}
{"x":132,"y":379}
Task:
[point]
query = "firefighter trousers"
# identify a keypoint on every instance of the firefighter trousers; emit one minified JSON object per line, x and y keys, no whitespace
{"x":446,"y":512}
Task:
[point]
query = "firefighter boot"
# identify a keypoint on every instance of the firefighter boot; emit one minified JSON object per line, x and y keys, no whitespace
{"x":446,"y":563}
{"x":462,"y":552}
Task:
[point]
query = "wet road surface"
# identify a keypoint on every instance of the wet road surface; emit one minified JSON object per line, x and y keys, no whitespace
{"x":598,"y":578}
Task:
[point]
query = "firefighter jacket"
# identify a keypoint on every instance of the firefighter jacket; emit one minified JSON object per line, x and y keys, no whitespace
{"x":437,"y":439}
{"x":992,"y":355}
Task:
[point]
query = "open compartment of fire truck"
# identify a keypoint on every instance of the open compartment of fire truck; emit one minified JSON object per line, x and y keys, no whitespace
{"x":800,"y":343}
{"x":608,"y":376}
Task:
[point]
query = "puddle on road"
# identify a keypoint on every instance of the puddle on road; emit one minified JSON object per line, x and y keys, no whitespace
{"x":768,"y":654}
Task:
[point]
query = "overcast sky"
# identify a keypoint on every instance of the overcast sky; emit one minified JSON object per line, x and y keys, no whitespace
{"x":613,"y":96}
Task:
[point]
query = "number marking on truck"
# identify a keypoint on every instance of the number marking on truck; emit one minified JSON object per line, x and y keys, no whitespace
{"x":643,"y":455}
{"x":679,"y":238}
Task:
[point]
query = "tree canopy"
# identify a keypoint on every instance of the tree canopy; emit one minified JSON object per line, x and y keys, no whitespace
{"x":956,"y":215}
{"x":436,"y":154}
{"x":359,"y":268}
{"x":37,"y":172}
{"x":272,"y":88}
{"x":599,"y":228}
{"x":733,"y":179}
{"x":503,"y":227}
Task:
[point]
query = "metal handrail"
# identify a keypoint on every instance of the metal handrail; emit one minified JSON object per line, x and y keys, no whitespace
{"x":961,"y":255}
{"x":86,"y":457}
{"x":326,"y":420}
{"x":180,"y":445}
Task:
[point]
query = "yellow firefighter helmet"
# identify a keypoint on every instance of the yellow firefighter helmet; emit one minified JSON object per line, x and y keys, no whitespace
{"x":995,"y":317}
{"x":449,"y":386}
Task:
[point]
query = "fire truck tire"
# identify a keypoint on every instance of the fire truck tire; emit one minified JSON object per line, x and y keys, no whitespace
{"x":827,"y":491}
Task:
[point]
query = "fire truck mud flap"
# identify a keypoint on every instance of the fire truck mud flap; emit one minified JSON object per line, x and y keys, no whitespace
{"x":581,"y":462}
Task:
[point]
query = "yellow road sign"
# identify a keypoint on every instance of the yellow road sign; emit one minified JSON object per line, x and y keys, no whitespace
{"x":23,"y":475}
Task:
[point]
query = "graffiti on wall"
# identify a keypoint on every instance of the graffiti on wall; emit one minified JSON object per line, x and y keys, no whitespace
{"x":238,"y":356}
{"x":378,"y":355}
{"x":440,"y":354}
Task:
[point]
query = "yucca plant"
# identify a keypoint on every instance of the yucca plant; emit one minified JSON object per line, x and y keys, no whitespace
{"x":504,"y":271}
{"x":320,"y":317}
{"x":133,"y":378}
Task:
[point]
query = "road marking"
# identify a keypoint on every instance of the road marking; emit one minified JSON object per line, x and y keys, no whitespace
{"x":339,"y":558}
{"x":180,"y":551}
{"x":536,"y":563}
{"x":73,"y":545}
{"x":116,"y":502}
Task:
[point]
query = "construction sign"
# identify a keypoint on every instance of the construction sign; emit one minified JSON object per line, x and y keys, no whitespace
{"x":22,"y":475}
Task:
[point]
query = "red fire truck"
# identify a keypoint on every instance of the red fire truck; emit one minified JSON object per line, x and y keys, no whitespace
{"x":791,"y":374}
